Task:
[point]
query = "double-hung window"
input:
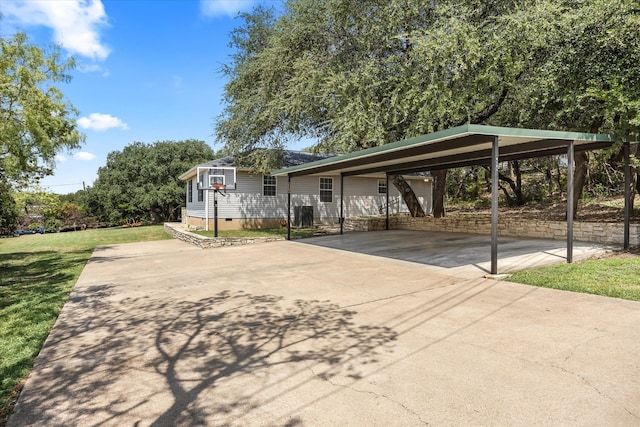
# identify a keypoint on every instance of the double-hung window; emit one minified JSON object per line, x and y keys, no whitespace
{"x":269,"y":185}
{"x":382,"y":186}
{"x":326,"y":190}
{"x":190,"y":191}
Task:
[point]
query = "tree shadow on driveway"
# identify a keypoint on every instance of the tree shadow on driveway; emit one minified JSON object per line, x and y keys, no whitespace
{"x":213,"y":360}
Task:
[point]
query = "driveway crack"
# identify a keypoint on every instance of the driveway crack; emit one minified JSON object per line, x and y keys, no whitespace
{"x":326,"y":378}
{"x":567,"y":371}
{"x":585,"y":381}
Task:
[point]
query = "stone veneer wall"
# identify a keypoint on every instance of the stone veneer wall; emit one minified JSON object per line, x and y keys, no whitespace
{"x":178,"y":231}
{"x":597,"y":232}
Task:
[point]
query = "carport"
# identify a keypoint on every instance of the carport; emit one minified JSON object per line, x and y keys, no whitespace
{"x":467,"y":145}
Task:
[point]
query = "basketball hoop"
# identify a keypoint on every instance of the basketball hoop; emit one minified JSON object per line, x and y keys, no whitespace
{"x":218,"y":186}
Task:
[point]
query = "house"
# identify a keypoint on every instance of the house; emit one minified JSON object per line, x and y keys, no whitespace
{"x":260,"y":201}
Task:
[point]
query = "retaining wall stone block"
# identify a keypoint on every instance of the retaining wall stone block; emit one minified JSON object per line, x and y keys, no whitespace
{"x":606,"y":233}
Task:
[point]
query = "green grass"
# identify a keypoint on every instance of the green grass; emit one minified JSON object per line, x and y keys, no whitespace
{"x":38,"y":272}
{"x":296,"y":233}
{"x":612,"y":277}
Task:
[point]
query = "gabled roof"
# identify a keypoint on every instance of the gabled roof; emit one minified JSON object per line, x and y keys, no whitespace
{"x":460,"y":146}
{"x":291,"y":158}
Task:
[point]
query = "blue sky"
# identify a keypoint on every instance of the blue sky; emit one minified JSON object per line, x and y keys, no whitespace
{"x":147,"y":70}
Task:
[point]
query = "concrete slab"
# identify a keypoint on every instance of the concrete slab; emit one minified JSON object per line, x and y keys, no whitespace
{"x":459,"y":254}
{"x":293,"y":333}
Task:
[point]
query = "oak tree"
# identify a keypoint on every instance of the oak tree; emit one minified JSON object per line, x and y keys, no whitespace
{"x":141,"y":181}
{"x":353,"y":75}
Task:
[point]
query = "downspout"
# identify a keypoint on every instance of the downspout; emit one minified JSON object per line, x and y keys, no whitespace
{"x":206,"y":210}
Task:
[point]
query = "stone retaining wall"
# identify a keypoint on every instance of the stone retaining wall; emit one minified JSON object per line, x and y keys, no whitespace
{"x":178,"y":231}
{"x":597,"y":232}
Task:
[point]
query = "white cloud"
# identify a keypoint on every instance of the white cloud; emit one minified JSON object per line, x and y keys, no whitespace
{"x":60,"y":158}
{"x":101,"y":122}
{"x":83,"y":155}
{"x":75,"y":23}
{"x":225,"y":7}
{"x":84,"y":67}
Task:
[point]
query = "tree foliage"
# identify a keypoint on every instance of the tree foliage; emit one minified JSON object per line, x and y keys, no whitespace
{"x":8,"y":207}
{"x":38,"y":208}
{"x":36,"y":122}
{"x":585,"y":74}
{"x":141,"y":181}
{"x":353,"y":75}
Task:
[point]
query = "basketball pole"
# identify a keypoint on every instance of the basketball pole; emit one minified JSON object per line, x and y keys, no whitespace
{"x":215,"y":213}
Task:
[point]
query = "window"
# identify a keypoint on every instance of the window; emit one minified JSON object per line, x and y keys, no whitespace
{"x":200,"y":194}
{"x":268,"y":185}
{"x":190,"y":191}
{"x":326,"y":190}
{"x":382,"y":186}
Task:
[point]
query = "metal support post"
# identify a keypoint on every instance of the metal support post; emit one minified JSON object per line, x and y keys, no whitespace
{"x":341,"y":203}
{"x":215,"y":213}
{"x":627,"y":193}
{"x":570,"y":195}
{"x":288,"y":207}
{"x":386,"y":222}
{"x":494,"y":205}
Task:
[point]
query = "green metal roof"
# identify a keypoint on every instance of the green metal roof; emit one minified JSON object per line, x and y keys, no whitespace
{"x":460,"y":146}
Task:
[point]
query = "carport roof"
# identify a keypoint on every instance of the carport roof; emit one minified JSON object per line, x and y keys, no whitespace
{"x":460,"y":146}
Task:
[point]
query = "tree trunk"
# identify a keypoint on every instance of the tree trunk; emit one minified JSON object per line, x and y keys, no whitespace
{"x":439,"y":191}
{"x":518,"y":176}
{"x":408,"y":195}
{"x":173,"y":216}
{"x":636,"y":187}
{"x":635,"y":179}
{"x":516,"y":186}
{"x":580,"y":173}
{"x":581,"y":168}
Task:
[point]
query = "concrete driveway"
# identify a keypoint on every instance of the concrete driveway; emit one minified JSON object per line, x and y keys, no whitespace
{"x":296,"y":333}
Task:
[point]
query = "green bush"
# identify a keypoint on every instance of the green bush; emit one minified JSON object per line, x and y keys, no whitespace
{"x":34,"y":226}
{"x":53,"y":225}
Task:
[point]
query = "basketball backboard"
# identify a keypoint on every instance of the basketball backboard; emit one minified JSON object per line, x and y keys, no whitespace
{"x":216,"y":177}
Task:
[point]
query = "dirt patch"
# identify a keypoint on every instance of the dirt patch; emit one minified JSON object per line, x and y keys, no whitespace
{"x":633,"y":252}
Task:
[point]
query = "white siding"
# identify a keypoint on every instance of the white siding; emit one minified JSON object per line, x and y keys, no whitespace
{"x":195,"y":208}
{"x":306,"y":192}
{"x":361,"y":198}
